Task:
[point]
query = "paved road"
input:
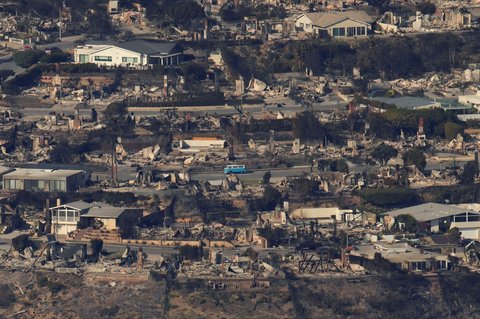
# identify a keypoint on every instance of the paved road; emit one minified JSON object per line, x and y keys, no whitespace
{"x":256,"y":175}
{"x":330,"y":104}
{"x":124,"y":172}
{"x":65,"y":44}
{"x":10,"y":65}
{"x":68,"y":108}
{"x":283,"y":172}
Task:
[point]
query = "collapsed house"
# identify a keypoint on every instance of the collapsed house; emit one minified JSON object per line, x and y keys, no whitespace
{"x":10,"y":219}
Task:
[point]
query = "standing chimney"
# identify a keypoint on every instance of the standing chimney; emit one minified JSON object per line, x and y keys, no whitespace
{"x":351,"y":108}
{"x":476,"y":163}
{"x":165,"y":85}
{"x":140,"y":259}
{"x":420,"y":125}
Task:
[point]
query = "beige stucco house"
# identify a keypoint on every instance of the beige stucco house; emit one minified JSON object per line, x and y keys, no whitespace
{"x":66,"y":218}
{"x":335,"y":24}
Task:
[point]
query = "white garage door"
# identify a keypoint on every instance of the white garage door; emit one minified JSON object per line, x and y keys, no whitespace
{"x":470,"y":233}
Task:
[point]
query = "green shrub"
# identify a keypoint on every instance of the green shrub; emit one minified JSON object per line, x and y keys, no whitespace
{"x":387,"y":197}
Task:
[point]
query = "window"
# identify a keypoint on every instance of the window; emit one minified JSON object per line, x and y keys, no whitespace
{"x":361,"y":31}
{"x":302,"y":25}
{"x":129,"y":60}
{"x":473,"y":218}
{"x":419,"y":265}
{"x":307,"y":26}
{"x":31,"y":185}
{"x":83,"y":58}
{"x":338,"y":32}
{"x":103,"y":58}
{"x":12,"y":184}
{"x":57,"y":186}
{"x":65,"y":215}
{"x":441,"y":264}
{"x":351,"y":31}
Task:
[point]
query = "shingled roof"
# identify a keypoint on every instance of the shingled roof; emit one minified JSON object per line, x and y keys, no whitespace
{"x":149,"y":48}
{"x":326,"y":19}
{"x":428,"y":211}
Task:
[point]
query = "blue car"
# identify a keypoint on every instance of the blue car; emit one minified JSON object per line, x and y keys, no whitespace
{"x":234,"y":169}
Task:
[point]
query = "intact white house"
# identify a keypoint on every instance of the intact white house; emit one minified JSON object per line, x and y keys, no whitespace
{"x":135,"y":54}
{"x":335,"y":24}
{"x":441,"y":217}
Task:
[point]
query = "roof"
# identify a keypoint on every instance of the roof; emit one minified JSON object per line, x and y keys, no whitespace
{"x":150,"y":48}
{"x":407,"y":102}
{"x":105,"y":212}
{"x":446,"y":239}
{"x":475,"y":12}
{"x":325,"y":19}
{"x":41,"y":174}
{"x":395,"y":253}
{"x":428,"y":211}
{"x":4,"y":169}
{"x":82,"y":205}
{"x":93,"y":47}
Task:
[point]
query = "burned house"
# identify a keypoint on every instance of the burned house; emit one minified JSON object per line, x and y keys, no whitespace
{"x":9,"y":219}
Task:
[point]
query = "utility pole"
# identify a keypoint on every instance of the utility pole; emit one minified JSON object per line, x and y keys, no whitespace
{"x":60,"y":96}
{"x":61,"y":12}
{"x":241,"y":104}
{"x":60,"y":21}
{"x":114,"y":163}
{"x":346,"y":231}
